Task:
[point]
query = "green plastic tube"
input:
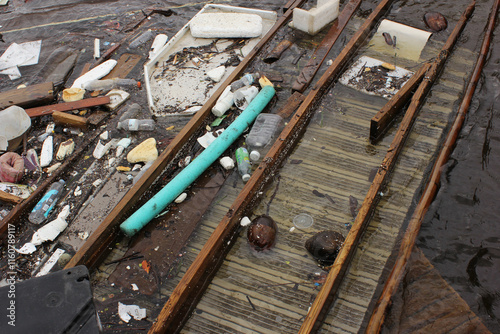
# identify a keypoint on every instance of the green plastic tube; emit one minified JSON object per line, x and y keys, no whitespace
{"x":191,"y":172}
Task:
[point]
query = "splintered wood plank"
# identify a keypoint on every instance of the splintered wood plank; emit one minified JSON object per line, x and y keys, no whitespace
{"x":67,"y":106}
{"x":124,"y":66}
{"x":30,"y":96}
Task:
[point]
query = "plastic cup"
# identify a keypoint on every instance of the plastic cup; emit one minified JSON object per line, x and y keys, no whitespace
{"x":303,"y":220}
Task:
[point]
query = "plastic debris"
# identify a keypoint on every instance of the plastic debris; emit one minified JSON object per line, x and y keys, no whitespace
{"x":117,"y":97}
{"x":47,"y":151}
{"x":31,"y":161}
{"x":42,"y":209}
{"x":126,"y":312}
{"x":217,"y":73}
{"x":209,"y":137}
{"x":101,"y":150}
{"x":11,"y":167}
{"x":65,"y":149}
{"x":122,"y":145}
{"x":245,"y":221}
{"x":144,"y":152}
{"x":23,"y":54}
{"x":225,"y":101}
{"x":227,"y":163}
{"x":95,"y":73}
{"x":181,"y":198}
{"x":226,"y":25}
{"x":14,"y":122}
{"x":158,"y":43}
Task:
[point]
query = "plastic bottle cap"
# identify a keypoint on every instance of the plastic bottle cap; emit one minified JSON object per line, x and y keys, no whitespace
{"x":254,"y":155}
{"x":303,"y":220}
{"x":245,"y":177}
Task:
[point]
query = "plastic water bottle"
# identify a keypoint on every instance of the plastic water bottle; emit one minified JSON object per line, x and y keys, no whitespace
{"x":42,"y":209}
{"x":260,"y":137}
{"x":108,"y":84}
{"x":245,"y":80}
{"x":141,"y":39}
{"x":243,"y":162}
{"x":137,"y":125}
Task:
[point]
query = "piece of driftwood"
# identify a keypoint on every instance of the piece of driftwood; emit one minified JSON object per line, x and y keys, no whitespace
{"x":69,"y":120}
{"x":13,"y":218}
{"x":311,"y":68}
{"x":98,"y":243}
{"x":408,"y":242}
{"x":9,"y":198}
{"x":67,"y":106}
{"x":30,"y":96}
{"x":276,"y":53}
{"x":380,"y":123}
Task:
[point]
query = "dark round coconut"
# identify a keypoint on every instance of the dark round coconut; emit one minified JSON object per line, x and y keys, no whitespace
{"x":261,"y":233}
{"x":324,"y":246}
{"x":435,"y":21}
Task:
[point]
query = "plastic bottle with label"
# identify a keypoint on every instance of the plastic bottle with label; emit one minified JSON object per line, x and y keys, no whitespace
{"x":261,"y":135}
{"x":42,"y":209}
{"x":137,"y":125}
{"x":243,"y":162}
{"x":245,"y":80}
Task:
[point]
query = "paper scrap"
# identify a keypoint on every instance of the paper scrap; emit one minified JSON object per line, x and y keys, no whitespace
{"x":126,"y":312}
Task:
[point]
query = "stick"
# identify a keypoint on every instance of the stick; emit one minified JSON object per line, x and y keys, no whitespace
{"x":407,"y":244}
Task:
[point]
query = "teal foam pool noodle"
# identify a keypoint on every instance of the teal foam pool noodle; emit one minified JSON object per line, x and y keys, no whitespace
{"x":191,"y":172}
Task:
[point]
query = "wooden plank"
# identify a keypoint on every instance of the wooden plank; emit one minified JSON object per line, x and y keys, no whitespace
{"x":307,"y":74}
{"x":69,"y":120}
{"x":322,"y":303}
{"x":384,"y":118}
{"x":30,"y":96}
{"x":9,"y":198}
{"x":98,"y":243}
{"x":124,"y":66}
{"x":67,"y":106}
{"x":292,"y":104}
{"x":408,"y":242}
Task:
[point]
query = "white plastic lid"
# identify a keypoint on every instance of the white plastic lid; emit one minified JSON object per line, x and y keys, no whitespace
{"x":254,"y":155}
{"x":245,"y":177}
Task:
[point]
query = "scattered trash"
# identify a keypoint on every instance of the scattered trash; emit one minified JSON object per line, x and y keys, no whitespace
{"x":435,"y":21}
{"x":19,"y":190}
{"x":11,"y":167}
{"x":243,"y":96}
{"x":16,"y":55}
{"x":42,"y":209}
{"x":158,"y":43}
{"x":73,"y":94}
{"x":122,"y":145}
{"x":31,"y":161}
{"x":209,"y":137}
{"x":313,"y":20}
{"x":134,"y":287}
{"x":245,"y":80}
{"x":276,"y":53}
{"x":225,"y":101}
{"x":141,"y":39}
{"x":137,"y":125}
{"x":101,"y":150}
{"x":217,"y":73}
{"x":324,"y":246}
{"x":243,"y":161}
{"x":52,"y":168}
{"x":245,"y":221}
{"x":146,"y":266}
{"x":78,"y":191}
{"x":144,"y":152}
{"x":261,"y":233}
{"x":94,"y":74}
{"x":126,"y":312}
{"x":50,"y":262}
{"x":117,"y":97}
{"x":303,"y":220}
{"x":83,"y":235}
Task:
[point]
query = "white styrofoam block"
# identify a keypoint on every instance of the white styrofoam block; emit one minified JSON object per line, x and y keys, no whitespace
{"x":314,"y":20}
{"x":226,"y":25}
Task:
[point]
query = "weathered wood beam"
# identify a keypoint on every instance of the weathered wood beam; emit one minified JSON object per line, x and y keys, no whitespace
{"x":380,"y":123}
{"x":69,"y":120}
{"x":408,"y":242}
{"x":311,"y":68}
{"x":67,"y":106}
{"x":9,"y":198}
{"x":30,"y":96}
{"x":97,"y":244}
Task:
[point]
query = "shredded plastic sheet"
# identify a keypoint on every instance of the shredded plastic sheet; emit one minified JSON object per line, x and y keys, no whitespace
{"x":126,"y":312}
{"x":23,"y":54}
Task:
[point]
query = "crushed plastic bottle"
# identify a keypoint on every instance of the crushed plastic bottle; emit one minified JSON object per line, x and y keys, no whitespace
{"x":137,"y":125}
{"x":243,"y":162}
{"x":245,"y":80}
{"x":141,"y":39}
{"x":260,"y":137}
{"x":42,"y":209}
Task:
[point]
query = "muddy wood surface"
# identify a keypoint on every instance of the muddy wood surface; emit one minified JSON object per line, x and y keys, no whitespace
{"x":155,"y":258}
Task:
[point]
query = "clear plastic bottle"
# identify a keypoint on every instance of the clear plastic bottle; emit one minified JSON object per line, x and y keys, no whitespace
{"x":131,"y":113}
{"x":137,"y":125}
{"x":108,"y":84}
{"x":260,"y":137}
{"x":243,"y":162}
{"x":245,"y":80}
{"x":42,"y":209}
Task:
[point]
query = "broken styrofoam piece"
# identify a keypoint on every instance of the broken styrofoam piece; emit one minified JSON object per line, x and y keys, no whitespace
{"x":97,"y":48}
{"x":409,"y":41}
{"x":47,"y":232}
{"x":65,"y":149}
{"x":126,"y":312}
{"x":245,"y":221}
{"x":101,"y":150}
{"x":104,"y":135}
{"x":227,"y":163}
{"x":181,"y":198}
{"x":117,"y":97}
{"x":47,"y":151}
{"x":224,"y":102}
{"x":158,"y":43}
{"x":226,"y":25}
{"x":122,"y":145}
{"x":50,"y":262}
{"x":95,"y":73}
{"x":144,"y":152}
{"x":134,"y":287}
{"x":191,"y":110}
{"x":313,"y":20}
{"x":73,"y":94}
{"x":52,"y":168}
{"x":208,"y":138}
{"x":217,"y":73}
{"x":78,"y":191}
